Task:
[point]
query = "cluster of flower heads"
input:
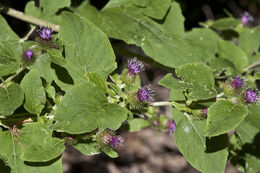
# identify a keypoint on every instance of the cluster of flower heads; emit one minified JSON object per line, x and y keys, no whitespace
{"x":145,"y":94}
{"x":249,"y":96}
{"x":45,"y":34}
{"x":107,"y":139}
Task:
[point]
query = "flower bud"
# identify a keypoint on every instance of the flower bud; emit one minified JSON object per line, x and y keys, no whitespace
{"x":45,"y":33}
{"x":108,"y":140}
{"x":246,"y":18}
{"x":251,"y":96}
{"x":172,"y":127}
{"x":135,"y":66}
{"x":145,"y":94}
{"x":238,"y":83}
{"x":28,"y":55}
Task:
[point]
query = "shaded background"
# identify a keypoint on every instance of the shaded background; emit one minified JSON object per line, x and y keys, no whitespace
{"x":146,"y":151}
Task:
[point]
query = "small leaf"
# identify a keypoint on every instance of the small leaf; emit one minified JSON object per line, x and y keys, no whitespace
{"x":34,"y":92}
{"x":233,"y":53}
{"x":225,"y":23}
{"x":191,"y":83}
{"x":88,"y":148}
{"x":10,"y":98}
{"x":137,"y":124}
{"x":206,"y":155}
{"x":224,"y":116}
{"x":38,"y":145}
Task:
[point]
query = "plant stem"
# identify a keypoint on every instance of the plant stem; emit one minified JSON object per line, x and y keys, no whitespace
{"x":27,"y":35}
{"x":255,"y":64}
{"x":13,"y":76}
{"x":163,"y":103}
{"x":30,"y":19}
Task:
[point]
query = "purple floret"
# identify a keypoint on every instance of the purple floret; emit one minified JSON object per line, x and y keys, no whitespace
{"x":28,"y":55}
{"x":205,"y":111}
{"x":145,"y":94}
{"x":238,"y":82}
{"x":135,"y":66}
{"x":45,"y":33}
{"x":115,"y":141}
{"x":246,"y":18}
{"x":251,"y":96}
{"x":172,"y":127}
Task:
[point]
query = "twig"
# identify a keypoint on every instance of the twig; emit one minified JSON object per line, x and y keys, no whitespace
{"x":255,"y":64}
{"x":13,"y":76}
{"x":27,"y":35}
{"x":163,"y":103}
{"x":30,"y":19}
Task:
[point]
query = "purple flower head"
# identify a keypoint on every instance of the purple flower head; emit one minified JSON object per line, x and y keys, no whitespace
{"x":115,"y":141}
{"x":172,"y":126}
{"x":251,"y":96}
{"x":145,"y":94}
{"x":45,"y":33}
{"x":205,"y":111}
{"x":246,"y":18}
{"x":135,"y":66}
{"x":155,"y":123}
{"x":238,"y":82}
{"x":28,"y":55}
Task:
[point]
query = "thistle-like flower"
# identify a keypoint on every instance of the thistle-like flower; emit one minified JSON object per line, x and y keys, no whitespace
{"x":205,"y":111}
{"x":155,"y":123}
{"x":172,"y":127}
{"x":28,"y":55}
{"x":135,"y":66}
{"x":45,"y":33}
{"x":246,"y":18}
{"x":145,"y":94}
{"x":251,"y":96}
{"x":238,"y":83}
{"x":108,"y":140}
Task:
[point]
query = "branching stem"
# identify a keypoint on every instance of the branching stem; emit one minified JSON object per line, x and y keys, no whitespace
{"x":30,"y":19}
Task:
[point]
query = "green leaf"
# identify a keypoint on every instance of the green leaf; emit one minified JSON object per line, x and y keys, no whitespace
{"x":220,"y":65}
{"x":206,"y":155}
{"x":88,"y":148}
{"x":47,"y":9}
{"x":10,"y":98}
{"x":248,"y":136}
{"x":153,"y":8}
{"x":205,"y":40}
{"x":6,"y":33}
{"x":13,"y":150}
{"x":38,"y":143}
{"x":157,"y":40}
{"x":225,"y":23}
{"x":249,"y":42}
{"x":233,"y":53}
{"x":84,"y":108}
{"x":56,"y":57}
{"x":97,"y":80}
{"x":191,"y":83}
{"x":34,"y":92}
{"x":224,"y":116}
{"x":137,"y":124}
{"x":87,"y":48}
{"x":42,"y":65}
{"x":111,"y":153}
